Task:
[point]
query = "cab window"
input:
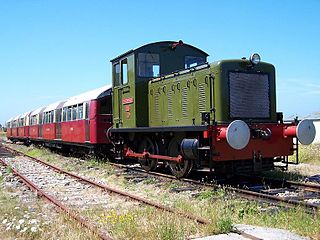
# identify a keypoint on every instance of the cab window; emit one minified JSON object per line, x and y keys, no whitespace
{"x":149,"y":64}
{"x":124,"y":71}
{"x":116,"y":74}
{"x":190,"y":61}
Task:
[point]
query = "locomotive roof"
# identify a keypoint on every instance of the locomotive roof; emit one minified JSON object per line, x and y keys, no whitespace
{"x":156,"y":43}
{"x":87,"y":96}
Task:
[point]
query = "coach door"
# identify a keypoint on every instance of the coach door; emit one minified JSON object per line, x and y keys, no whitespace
{"x":87,"y":121}
{"x":58,"y":123}
{"x":40,"y":125}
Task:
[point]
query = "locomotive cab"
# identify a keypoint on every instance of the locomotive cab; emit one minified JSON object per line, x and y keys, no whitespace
{"x":132,"y":71}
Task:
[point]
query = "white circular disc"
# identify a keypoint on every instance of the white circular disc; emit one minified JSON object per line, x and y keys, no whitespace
{"x":238,"y":134}
{"x":306,"y":132}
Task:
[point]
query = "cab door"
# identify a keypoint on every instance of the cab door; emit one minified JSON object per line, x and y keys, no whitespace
{"x":124,"y":94}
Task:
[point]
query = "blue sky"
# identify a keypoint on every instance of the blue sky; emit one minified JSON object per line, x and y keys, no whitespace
{"x":50,"y":50}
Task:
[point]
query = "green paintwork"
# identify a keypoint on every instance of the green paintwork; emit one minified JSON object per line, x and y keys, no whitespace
{"x":137,"y":87}
{"x":221,"y":89}
{"x":179,"y":99}
{"x":171,"y":106}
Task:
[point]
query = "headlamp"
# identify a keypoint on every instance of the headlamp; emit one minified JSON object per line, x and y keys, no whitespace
{"x":255,"y":58}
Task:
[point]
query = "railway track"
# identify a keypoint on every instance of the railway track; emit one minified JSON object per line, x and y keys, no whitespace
{"x":70,"y":192}
{"x":272,"y":191}
{"x":282,"y":193}
{"x":268,"y":193}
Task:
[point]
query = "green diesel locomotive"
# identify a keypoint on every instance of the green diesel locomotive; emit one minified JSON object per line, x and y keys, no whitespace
{"x":170,"y":106}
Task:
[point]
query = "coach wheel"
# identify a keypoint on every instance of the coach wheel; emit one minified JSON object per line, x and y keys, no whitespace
{"x":179,"y":170}
{"x":148,"y":145}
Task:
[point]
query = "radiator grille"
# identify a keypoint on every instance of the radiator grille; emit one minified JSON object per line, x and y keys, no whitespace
{"x":185,"y":102}
{"x":156,"y":112}
{"x":249,"y":95}
{"x":170,"y":106}
{"x":202,"y":97}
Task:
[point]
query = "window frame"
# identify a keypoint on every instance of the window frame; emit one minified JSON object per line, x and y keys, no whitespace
{"x":80,"y":113}
{"x":116,"y":74}
{"x":124,"y":75}
{"x":142,"y":72}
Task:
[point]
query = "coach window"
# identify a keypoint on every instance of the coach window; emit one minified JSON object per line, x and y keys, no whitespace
{"x":80,"y":111}
{"x":149,"y":64}
{"x":190,"y":61}
{"x":69,"y":114}
{"x":58,"y":115}
{"x":40,"y":118}
{"x":106,"y":105}
{"x":64,"y":114}
{"x":74,"y":112}
{"x":124,"y":71}
{"x":87,"y":111}
{"x":116,"y":74}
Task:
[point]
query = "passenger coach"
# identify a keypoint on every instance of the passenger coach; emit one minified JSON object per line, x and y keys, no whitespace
{"x":80,"y":121}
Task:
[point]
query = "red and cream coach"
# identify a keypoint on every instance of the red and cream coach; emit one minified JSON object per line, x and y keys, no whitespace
{"x":82,"y":121}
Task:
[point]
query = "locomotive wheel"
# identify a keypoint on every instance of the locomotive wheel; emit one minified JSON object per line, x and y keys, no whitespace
{"x":150,"y":146}
{"x":179,"y":170}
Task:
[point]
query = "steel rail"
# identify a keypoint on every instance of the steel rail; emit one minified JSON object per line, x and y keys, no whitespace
{"x":40,"y":193}
{"x":251,"y":195}
{"x":119,"y":192}
{"x":312,"y":187}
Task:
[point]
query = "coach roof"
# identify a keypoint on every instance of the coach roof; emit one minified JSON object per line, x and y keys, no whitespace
{"x":87,"y":96}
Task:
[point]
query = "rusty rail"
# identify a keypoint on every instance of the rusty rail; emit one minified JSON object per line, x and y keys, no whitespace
{"x":244,"y":193}
{"x":102,"y":234}
{"x":117,"y":191}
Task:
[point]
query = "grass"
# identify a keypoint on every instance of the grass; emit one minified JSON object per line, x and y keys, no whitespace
{"x":308,"y":154}
{"x":35,"y":221}
{"x":222,"y":210}
{"x":279,"y":174}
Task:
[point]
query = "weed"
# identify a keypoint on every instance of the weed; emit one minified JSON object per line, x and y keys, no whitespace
{"x":114,"y":218}
{"x":224,"y":225}
{"x":36,"y":152}
{"x":173,"y":185}
{"x":278,"y":174}
{"x":247,"y":209}
{"x":169,"y":231}
{"x":308,"y":154}
{"x":150,"y":181}
{"x":9,"y":170}
{"x":205,"y":195}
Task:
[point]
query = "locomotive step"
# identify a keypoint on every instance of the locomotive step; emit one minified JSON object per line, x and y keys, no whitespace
{"x":204,"y":148}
